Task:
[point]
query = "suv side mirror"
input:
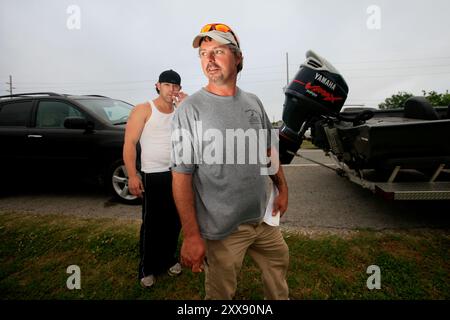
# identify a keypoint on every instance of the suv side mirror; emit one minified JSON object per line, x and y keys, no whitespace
{"x":75,"y":123}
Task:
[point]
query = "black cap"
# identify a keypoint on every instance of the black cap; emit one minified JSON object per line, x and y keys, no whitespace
{"x":170,"y":76}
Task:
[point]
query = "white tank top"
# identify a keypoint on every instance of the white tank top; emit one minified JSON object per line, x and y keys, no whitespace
{"x":155,"y":141}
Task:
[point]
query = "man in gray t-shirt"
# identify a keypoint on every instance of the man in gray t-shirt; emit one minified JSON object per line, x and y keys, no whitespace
{"x":220,"y":141}
{"x":219,"y":187}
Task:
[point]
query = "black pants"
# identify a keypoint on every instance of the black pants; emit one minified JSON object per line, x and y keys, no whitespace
{"x":160,"y":225}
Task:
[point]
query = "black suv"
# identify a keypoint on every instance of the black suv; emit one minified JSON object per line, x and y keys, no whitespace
{"x":67,"y":134}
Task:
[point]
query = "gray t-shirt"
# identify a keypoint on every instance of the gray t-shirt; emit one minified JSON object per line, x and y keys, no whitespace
{"x":227,"y":181}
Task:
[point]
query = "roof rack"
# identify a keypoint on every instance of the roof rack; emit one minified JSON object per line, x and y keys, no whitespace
{"x":95,"y":95}
{"x":51,"y":94}
{"x":86,"y":95}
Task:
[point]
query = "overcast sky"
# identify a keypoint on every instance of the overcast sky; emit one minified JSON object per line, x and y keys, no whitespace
{"x":118,"y":48}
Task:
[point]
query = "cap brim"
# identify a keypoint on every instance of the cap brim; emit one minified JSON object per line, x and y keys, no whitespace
{"x":170,"y":81}
{"x":221,"y":37}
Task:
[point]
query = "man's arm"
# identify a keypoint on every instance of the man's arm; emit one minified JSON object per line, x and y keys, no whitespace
{"x":133,"y":131}
{"x":278,"y":179}
{"x":193,"y":248}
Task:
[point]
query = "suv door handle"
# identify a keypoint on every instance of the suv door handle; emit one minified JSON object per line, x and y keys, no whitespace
{"x":34,"y":136}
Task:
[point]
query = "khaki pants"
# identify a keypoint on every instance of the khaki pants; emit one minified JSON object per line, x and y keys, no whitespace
{"x":264,"y":244}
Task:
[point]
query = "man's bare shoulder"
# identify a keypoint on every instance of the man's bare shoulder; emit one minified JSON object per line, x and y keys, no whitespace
{"x":140,"y":113}
{"x":142,"y":106}
{"x":142,"y":109}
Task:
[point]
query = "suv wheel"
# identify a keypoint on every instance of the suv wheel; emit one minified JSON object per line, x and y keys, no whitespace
{"x":117,"y":183}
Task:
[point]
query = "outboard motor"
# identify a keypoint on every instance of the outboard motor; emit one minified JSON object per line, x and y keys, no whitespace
{"x":317,"y":90}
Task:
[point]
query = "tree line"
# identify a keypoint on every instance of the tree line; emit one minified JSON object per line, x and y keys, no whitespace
{"x":397,"y":101}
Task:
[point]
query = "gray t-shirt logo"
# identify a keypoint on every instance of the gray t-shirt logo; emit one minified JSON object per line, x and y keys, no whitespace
{"x":253,"y":116}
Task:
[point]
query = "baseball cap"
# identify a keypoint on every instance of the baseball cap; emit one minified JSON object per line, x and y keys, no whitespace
{"x":217,"y":31}
{"x":170,"y":76}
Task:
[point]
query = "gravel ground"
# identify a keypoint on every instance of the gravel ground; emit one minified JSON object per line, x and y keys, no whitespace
{"x":319,"y":200}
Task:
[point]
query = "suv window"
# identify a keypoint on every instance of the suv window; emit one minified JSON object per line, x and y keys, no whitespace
{"x":51,"y":114}
{"x":15,"y":114}
{"x":113,"y":111}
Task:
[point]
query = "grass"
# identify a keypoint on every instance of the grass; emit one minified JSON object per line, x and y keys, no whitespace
{"x":35,"y":251}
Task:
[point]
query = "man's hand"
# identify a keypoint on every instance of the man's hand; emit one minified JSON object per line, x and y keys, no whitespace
{"x":179,"y":97}
{"x":135,"y":186}
{"x":193,"y":252}
{"x":193,"y":248}
{"x":280,"y":203}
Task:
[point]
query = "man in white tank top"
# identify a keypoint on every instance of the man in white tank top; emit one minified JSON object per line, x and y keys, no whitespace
{"x":150,"y":125}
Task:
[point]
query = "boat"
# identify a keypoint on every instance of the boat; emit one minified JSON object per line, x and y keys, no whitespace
{"x":403,"y":154}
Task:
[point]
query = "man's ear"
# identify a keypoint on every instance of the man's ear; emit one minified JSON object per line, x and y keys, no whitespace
{"x":240,"y":59}
{"x":158,"y":86}
{"x":240,"y":62}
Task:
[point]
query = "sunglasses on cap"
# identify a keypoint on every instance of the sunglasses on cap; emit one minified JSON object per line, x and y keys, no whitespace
{"x":219,"y":27}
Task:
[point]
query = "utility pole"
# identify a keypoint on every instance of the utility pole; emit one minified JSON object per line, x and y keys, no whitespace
{"x":287,"y":69}
{"x":10,"y":85}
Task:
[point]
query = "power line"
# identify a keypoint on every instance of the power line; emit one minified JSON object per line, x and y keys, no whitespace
{"x":394,"y":60}
{"x":256,"y":71}
{"x":89,"y":82}
{"x":387,"y":60}
{"x":244,"y":80}
{"x":399,"y":75}
{"x":400,"y":67}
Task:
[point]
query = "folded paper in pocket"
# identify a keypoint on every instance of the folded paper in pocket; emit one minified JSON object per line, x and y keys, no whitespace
{"x":268,"y":218}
